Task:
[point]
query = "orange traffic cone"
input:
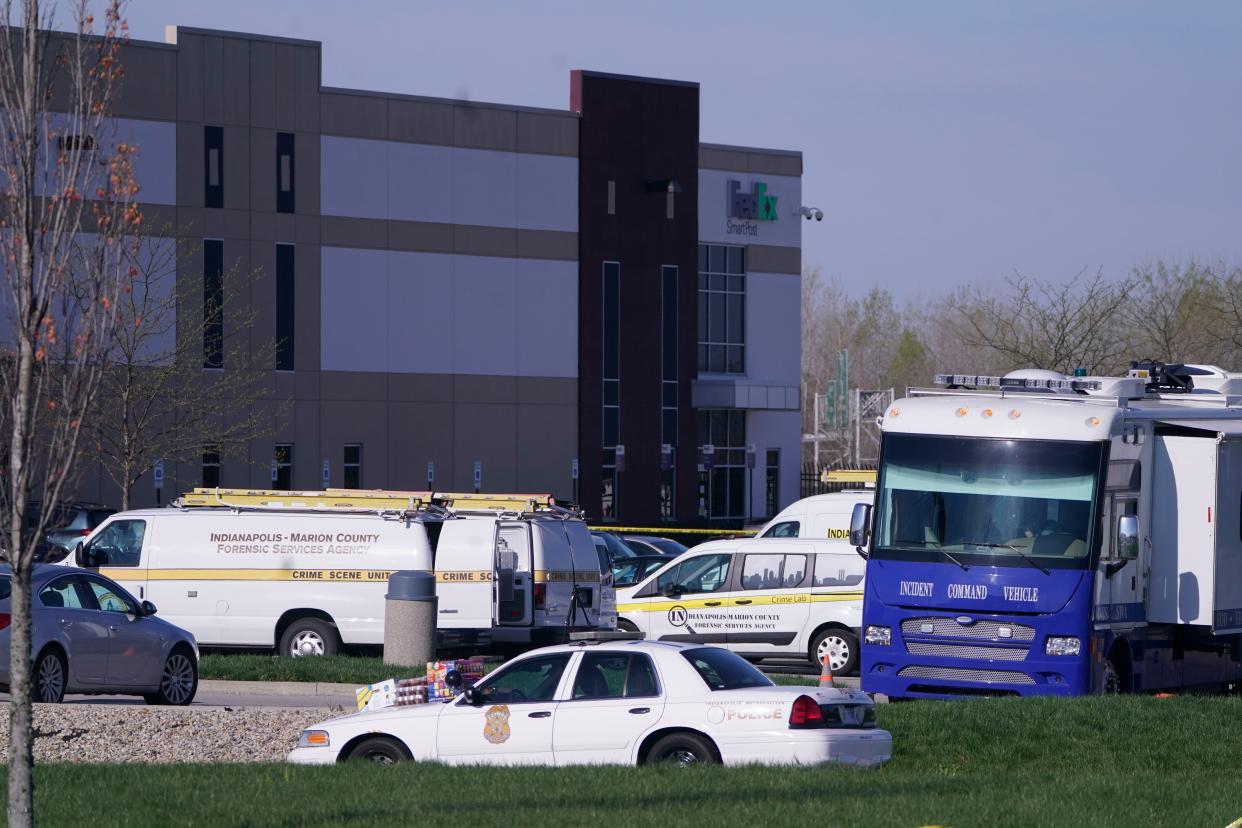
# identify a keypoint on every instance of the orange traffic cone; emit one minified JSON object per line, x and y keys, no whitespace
{"x":825,"y":674}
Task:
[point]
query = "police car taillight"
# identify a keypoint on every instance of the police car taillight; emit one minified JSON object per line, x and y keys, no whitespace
{"x":540,"y":595}
{"x":806,"y":713}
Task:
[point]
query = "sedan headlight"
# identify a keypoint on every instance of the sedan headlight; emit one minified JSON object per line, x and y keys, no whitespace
{"x":878,"y":636}
{"x":1062,"y":646}
{"x":313,"y":738}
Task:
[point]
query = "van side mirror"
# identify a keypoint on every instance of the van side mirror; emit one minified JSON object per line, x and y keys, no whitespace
{"x":860,"y":527}
{"x":1127,"y":537}
{"x":673,"y":590}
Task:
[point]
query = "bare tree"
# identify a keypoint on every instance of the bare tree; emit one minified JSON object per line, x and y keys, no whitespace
{"x":1178,"y":312}
{"x":67,"y":208}
{"x":1224,"y":322}
{"x":157,"y":403}
{"x":1059,"y":326}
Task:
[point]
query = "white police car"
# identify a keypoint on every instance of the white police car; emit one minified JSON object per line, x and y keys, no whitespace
{"x":621,"y":702}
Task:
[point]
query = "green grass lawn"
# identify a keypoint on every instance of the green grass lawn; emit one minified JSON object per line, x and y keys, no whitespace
{"x":345,"y":669}
{"x":1007,"y":762}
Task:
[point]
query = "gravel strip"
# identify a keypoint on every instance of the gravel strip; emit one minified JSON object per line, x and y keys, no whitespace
{"x":131,"y":733}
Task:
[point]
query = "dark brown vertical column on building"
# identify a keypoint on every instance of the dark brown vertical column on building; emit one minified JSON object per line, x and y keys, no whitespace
{"x":638,"y":139}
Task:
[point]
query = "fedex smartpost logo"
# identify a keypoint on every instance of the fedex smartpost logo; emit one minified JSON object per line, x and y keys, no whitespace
{"x":749,"y":207}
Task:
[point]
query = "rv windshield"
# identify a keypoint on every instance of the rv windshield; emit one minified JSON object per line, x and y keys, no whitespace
{"x":988,"y":502}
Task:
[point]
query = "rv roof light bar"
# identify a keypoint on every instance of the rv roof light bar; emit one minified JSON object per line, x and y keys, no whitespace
{"x":1016,"y":383}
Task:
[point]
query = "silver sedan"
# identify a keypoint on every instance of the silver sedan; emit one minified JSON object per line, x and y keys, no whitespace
{"x":91,"y":636}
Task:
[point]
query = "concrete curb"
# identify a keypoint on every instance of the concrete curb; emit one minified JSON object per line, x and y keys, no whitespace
{"x":276,"y":688}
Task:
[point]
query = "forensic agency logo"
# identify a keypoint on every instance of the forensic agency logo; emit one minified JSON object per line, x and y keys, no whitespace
{"x":496,"y":724}
{"x":757,"y":205}
{"x":677,"y":616}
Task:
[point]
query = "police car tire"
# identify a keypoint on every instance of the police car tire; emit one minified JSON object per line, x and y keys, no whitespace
{"x":683,"y":749}
{"x":851,"y":641}
{"x":379,"y":749}
{"x":316,"y":626}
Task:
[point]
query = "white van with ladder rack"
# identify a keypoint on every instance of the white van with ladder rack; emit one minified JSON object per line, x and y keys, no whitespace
{"x":306,"y":571}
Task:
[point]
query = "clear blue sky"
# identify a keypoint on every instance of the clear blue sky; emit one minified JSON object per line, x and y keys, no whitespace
{"x":948,"y":142}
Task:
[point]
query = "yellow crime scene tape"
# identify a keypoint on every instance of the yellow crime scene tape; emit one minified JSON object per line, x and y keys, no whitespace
{"x":669,"y":530}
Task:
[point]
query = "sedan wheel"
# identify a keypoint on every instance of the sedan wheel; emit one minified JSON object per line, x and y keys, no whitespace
{"x":682,"y":750}
{"x":178,"y":682}
{"x":49,"y":683}
{"x":379,"y":749}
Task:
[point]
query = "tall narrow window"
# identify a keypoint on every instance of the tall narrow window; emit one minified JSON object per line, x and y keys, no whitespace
{"x":722,"y":488}
{"x":211,"y":466}
{"x":610,"y":497}
{"x":722,"y":309}
{"x":284,"y":307}
{"x":282,"y":466}
{"x":352,"y":465}
{"x":668,"y":391}
{"x":772,"y":483}
{"x":213,"y":303}
{"x":213,"y":166}
{"x":284,"y":172}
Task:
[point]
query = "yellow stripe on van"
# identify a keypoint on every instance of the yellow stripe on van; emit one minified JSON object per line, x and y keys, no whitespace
{"x":320,"y":575}
{"x":463,"y":576}
{"x":731,"y":603}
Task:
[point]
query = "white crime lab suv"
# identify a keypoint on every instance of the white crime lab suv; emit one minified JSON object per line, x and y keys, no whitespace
{"x":621,"y":702}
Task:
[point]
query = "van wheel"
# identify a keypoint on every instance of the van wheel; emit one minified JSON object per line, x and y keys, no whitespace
{"x":626,"y":626}
{"x":841,"y":648}
{"x":309,"y":637}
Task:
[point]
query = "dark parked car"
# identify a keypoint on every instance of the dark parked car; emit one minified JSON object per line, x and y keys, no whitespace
{"x":69,"y":523}
{"x":630,"y":571}
{"x":91,"y":636}
{"x":614,"y":546}
{"x":651,"y":545}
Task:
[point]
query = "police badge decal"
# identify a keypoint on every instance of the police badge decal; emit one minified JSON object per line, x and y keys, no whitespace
{"x":496,"y":724}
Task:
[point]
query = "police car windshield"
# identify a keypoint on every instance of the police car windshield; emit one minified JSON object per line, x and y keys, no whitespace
{"x":723,"y":670}
{"x":987,"y":502}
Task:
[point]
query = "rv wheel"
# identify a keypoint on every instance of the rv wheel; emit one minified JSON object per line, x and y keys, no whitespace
{"x":1110,"y":681}
{"x":309,"y":637}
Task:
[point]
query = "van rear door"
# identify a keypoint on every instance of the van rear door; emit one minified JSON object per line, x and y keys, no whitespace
{"x":587,"y":567}
{"x":514,"y":576}
{"x":466,"y":573}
